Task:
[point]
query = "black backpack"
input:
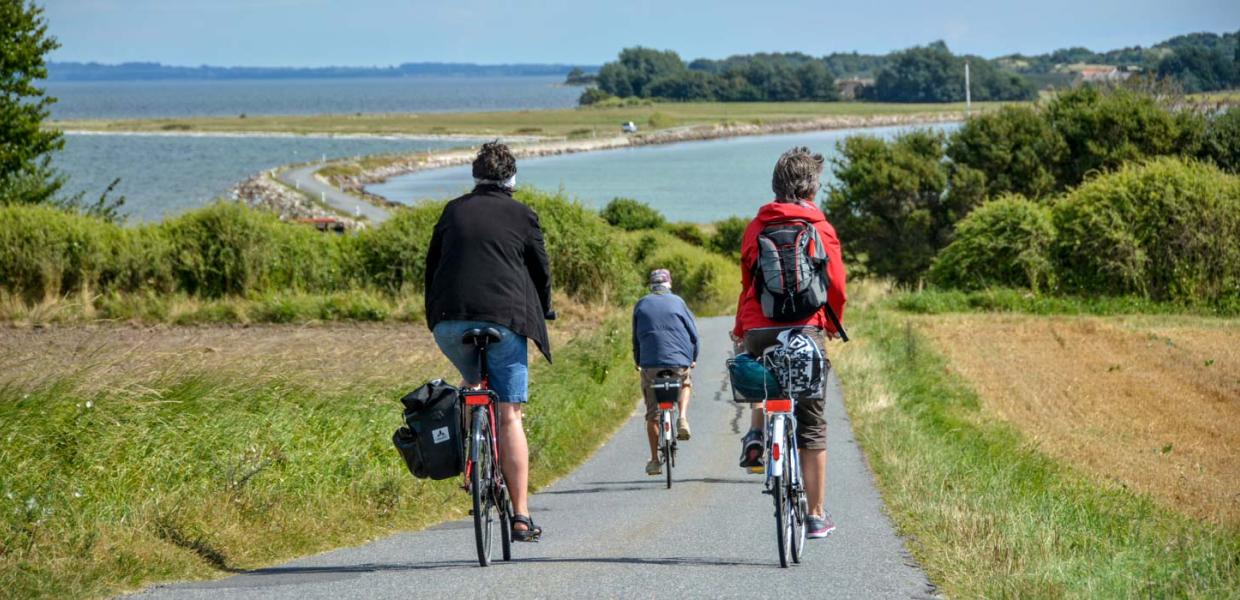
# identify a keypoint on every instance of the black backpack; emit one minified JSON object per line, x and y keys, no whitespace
{"x":432,"y":441}
{"x":790,"y":275}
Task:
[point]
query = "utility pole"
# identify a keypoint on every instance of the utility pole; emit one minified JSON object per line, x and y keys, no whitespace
{"x":968,"y":96}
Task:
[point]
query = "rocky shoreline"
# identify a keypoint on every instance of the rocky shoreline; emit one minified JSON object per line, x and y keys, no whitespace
{"x":262,"y":192}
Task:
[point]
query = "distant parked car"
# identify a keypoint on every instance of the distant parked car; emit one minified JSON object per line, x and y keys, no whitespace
{"x":629,"y":127}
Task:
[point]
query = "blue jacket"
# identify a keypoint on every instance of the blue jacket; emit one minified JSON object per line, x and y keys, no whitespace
{"x":664,"y":332}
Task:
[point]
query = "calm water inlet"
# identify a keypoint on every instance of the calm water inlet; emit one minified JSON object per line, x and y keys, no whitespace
{"x":692,"y":181}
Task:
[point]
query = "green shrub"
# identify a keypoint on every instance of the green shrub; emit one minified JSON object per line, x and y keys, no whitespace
{"x":893,"y":203}
{"x":659,"y":120}
{"x":728,"y":235}
{"x":588,"y":260}
{"x":1015,"y":148}
{"x":1222,"y":140}
{"x":1004,"y":242}
{"x":227,"y":248}
{"x":46,"y":252}
{"x":1165,"y":229}
{"x":690,"y":233}
{"x":393,"y":255}
{"x":709,"y":283}
{"x":1103,"y":130}
{"x":631,"y":215}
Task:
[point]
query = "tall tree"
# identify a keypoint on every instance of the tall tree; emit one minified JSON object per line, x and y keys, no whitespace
{"x":26,"y":175}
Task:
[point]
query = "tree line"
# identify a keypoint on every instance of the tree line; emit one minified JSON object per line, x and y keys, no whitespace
{"x":930,"y":73}
{"x":920,"y":74}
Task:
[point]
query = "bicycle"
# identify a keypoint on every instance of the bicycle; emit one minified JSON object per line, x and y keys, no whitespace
{"x":484,"y":480}
{"x":667,"y":394}
{"x":783,"y":480}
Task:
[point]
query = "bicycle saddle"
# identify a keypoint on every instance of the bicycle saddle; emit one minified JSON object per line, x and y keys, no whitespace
{"x":481,"y":336}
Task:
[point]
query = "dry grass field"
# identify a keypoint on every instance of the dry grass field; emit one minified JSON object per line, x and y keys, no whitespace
{"x":1149,"y":403}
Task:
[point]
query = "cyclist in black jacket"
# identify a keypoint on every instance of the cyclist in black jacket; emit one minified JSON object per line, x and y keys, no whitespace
{"x":487,"y":267}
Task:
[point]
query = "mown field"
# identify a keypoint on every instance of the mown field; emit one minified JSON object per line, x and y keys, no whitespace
{"x":1033,"y":456}
{"x":575,"y":122}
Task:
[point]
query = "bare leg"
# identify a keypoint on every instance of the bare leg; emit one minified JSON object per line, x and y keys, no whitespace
{"x":515,"y":457}
{"x":757,"y":418}
{"x":686,"y":393}
{"x":814,"y":470}
{"x":652,"y":434}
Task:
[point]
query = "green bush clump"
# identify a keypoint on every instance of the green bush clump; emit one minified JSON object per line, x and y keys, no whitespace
{"x":228,"y":249}
{"x":1103,"y":130}
{"x":689,"y":233}
{"x":46,"y":252}
{"x":1165,"y":229}
{"x":728,"y":235}
{"x":393,"y":255}
{"x":588,"y":259}
{"x":1004,"y":242}
{"x":1222,"y":140}
{"x":630,"y":215}
{"x":709,"y":283}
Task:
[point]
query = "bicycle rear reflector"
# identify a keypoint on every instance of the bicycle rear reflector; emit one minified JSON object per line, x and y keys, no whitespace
{"x":477,"y":398}
{"x":779,"y":405}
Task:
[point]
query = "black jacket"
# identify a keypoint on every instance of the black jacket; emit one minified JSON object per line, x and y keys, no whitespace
{"x":487,"y":262}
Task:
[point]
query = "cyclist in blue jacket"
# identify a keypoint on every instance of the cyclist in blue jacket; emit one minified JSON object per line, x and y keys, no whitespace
{"x":665,"y":338}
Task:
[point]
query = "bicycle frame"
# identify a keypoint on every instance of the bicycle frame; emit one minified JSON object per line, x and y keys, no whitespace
{"x":477,"y":398}
{"x":780,"y":418}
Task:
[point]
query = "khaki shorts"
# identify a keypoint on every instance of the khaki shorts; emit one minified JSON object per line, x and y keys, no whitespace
{"x":648,"y":377}
{"x":810,"y":412}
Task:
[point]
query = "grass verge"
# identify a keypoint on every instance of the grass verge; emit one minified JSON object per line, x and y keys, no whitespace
{"x":203,"y":475}
{"x":569,"y":122}
{"x":988,"y":514}
{"x":937,"y":301}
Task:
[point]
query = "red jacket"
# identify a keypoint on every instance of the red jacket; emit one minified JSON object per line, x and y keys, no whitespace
{"x":748,"y":309}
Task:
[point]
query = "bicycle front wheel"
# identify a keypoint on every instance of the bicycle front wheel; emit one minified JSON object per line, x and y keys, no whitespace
{"x":480,"y":484}
{"x":795,"y":501}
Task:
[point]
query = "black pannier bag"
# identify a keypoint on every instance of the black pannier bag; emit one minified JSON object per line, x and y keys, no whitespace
{"x":432,"y":440}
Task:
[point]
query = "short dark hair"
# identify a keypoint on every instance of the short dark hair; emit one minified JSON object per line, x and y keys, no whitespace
{"x":495,"y":162}
{"x":796,"y":176}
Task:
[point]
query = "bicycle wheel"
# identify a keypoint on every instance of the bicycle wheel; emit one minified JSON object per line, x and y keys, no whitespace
{"x":505,"y":522}
{"x":667,"y":449}
{"x":795,"y":502}
{"x":782,"y":534}
{"x":480,"y":485}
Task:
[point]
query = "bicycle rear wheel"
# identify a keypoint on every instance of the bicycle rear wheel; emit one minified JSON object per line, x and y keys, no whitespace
{"x":783,"y":535}
{"x":505,"y":523}
{"x":667,"y":448}
{"x":481,"y":485}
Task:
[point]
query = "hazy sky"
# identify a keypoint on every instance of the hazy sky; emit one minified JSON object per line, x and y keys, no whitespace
{"x":385,"y":32}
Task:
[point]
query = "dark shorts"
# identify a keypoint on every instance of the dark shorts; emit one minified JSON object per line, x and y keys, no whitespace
{"x":648,"y":377}
{"x":811,"y":413}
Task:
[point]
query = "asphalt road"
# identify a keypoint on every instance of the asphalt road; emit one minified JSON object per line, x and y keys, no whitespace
{"x":303,"y":179}
{"x":612,"y":531}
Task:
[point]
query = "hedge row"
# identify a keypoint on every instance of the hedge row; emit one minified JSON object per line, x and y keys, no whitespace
{"x":228,"y":250}
{"x":1165,"y":229}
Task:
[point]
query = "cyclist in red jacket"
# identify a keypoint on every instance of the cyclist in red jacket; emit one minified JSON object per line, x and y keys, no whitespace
{"x":796,"y":184}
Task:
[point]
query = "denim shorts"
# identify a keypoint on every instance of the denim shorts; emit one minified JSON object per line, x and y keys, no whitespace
{"x":507,"y":361}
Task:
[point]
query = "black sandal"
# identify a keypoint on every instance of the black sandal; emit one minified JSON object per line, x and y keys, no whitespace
{"x":529,"y":534}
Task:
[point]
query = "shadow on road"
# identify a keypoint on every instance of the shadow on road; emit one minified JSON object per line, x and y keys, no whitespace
{"x":638,"y":485}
